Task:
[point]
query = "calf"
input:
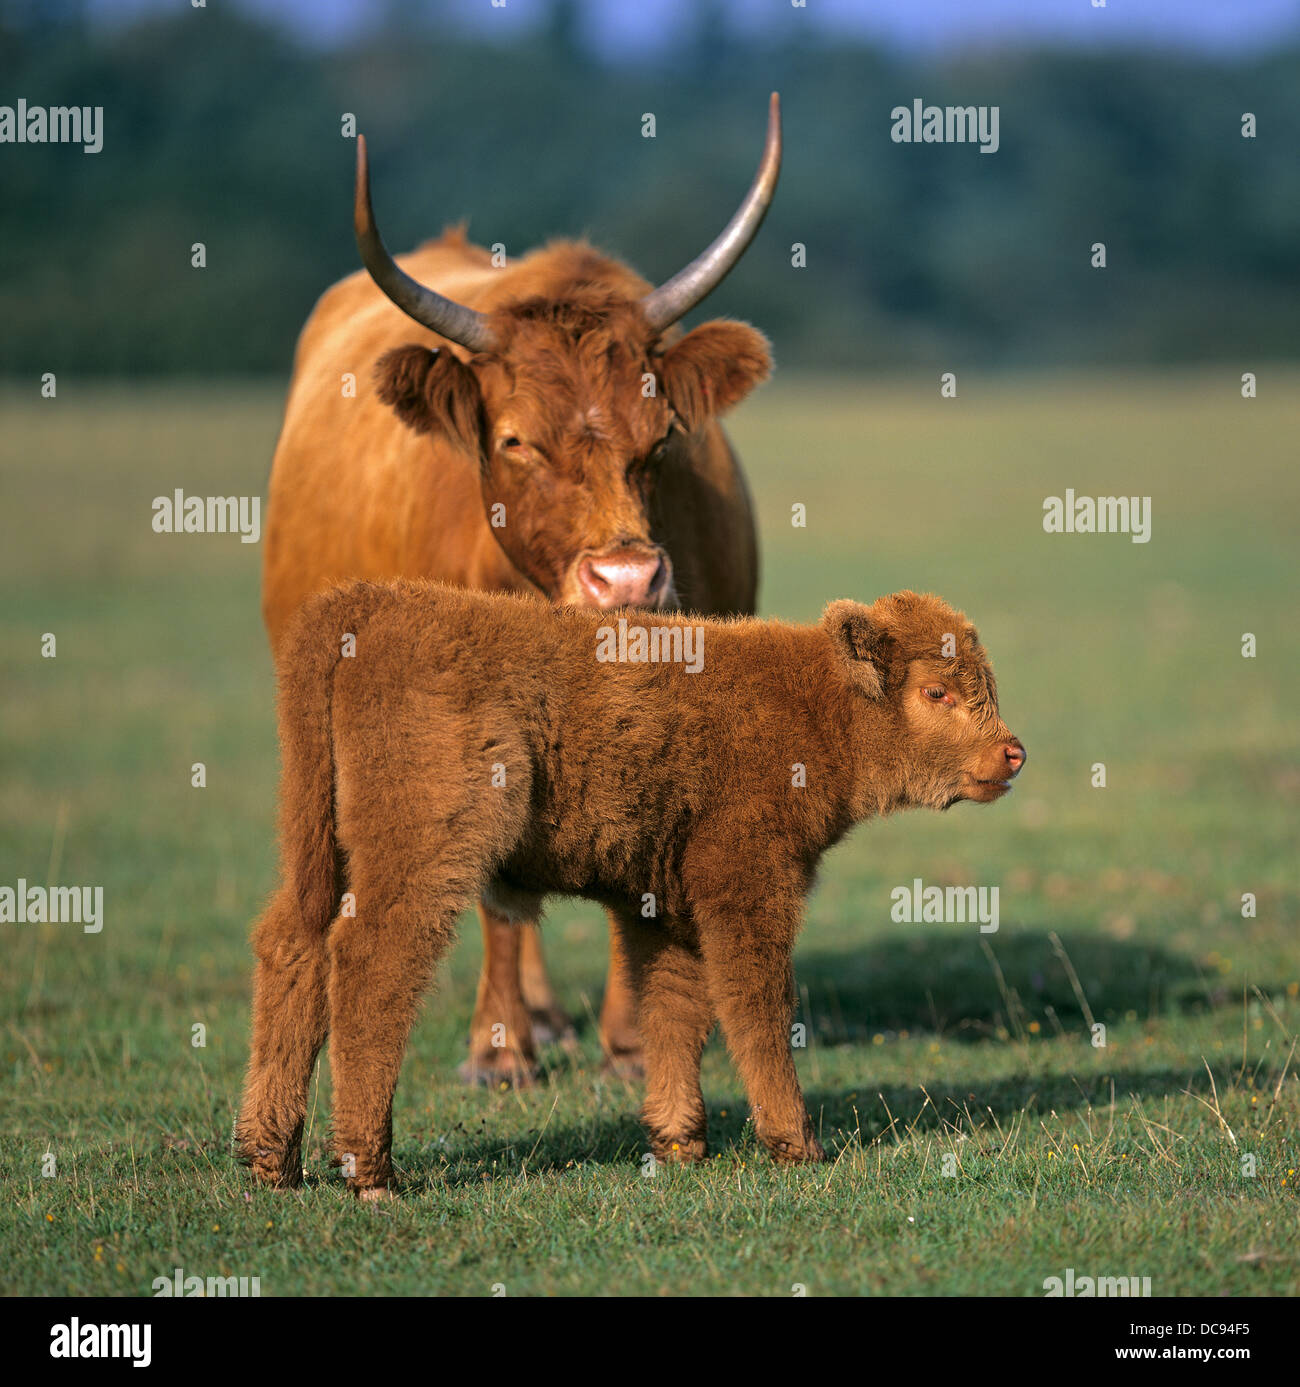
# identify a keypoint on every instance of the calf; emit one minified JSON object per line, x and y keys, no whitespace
{"x":688,"y":774}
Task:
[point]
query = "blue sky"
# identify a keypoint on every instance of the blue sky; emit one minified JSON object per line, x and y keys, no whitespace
{"x":624,"y":27}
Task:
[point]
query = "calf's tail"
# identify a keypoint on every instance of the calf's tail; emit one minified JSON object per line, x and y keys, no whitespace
{"x":306,"y":664}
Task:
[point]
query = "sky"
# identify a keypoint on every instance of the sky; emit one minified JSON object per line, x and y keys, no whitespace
{"x":624,"y":28}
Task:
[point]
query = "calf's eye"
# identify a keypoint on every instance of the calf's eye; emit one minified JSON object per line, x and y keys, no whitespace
{"x":938,"y":695}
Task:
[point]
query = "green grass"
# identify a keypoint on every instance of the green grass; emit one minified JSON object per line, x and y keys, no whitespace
{"x":927,"y":1041}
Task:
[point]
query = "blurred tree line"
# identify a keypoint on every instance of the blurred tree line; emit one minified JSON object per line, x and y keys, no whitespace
{"x":223,"y":131}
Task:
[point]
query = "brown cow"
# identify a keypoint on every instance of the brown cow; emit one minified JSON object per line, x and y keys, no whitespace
{"x":548,"y":432}
{"x":687,"y":774}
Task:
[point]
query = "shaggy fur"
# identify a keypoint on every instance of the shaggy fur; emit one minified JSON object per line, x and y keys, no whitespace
{"x":554,"y":427}
{"x":473,"y":745}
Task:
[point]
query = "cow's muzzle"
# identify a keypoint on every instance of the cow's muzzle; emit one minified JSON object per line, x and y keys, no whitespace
{"x":627,"y":575}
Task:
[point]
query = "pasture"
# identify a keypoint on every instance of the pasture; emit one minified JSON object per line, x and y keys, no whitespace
{"x":980,"y":1141}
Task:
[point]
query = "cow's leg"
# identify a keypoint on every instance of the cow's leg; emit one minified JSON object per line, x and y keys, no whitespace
{"x":619,"y":1035}
{"x":550,"y":1022}
{"x":381,"y":961}
{"x":501,"y":1042}
{"x":290,"y":1019}
{"x":665,"y":977}
{"x":747,"y":961}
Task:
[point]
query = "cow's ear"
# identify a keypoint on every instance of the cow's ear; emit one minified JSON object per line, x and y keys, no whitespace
{"x":713,"y":368}
{"x":861,"y":642}
{"x":432,"y":392}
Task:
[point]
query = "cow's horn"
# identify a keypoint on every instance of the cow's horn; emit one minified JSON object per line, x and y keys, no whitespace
{"x":444,"y":316}
{"x":677,"y":296}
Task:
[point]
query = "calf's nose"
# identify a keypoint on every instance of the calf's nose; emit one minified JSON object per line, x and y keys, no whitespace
{"x":623,"y":580}
{"x":1015,"y":754}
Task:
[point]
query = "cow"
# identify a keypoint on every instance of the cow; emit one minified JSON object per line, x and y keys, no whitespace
{"x":439,"y":745}
{"x":546,"y":430}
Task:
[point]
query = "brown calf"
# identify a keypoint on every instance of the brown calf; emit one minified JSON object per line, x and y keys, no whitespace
{"x":465,"y":745}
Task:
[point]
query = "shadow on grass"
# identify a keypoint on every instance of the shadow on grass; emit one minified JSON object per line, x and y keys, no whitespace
{"x":983,"y":1108}
{"x":875,"y":1111}
{"x":967,"y":986}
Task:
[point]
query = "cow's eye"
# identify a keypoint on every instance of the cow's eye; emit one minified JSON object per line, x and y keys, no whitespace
{"x":937,"y":693}
{"x":511,"y":443}
{"x":662,"y":446}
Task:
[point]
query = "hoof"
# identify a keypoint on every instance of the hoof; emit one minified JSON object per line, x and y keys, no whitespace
{"x":500,"y":1068}
{"x":376,"y":1194}
{"x":552,"y":1026}
{"x":683,"y":1151}
{"x":277,"y":1168}
{"x":803,"y":1152}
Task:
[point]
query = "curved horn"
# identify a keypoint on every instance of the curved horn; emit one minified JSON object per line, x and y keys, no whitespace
{"x":677,"y":296}
{"x":445,"y":317}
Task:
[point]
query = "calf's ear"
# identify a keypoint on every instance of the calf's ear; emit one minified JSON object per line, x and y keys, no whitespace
{"x":860,"y":641}
{"x":713,"y":368}
{"x":432,"y":391}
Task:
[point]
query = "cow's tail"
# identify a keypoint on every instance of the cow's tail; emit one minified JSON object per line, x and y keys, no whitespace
{"x":306,"y":665}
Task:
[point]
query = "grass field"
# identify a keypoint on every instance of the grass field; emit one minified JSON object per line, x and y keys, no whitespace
{"x":980,"y":1142}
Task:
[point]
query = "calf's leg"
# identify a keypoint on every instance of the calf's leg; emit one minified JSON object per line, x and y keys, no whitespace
{"x":290,"y":1019}
{"x":747,"y":964}
{"x":664,"y":979}
{"x":381,"y":961}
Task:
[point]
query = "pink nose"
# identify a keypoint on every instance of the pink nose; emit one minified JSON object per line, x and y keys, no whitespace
{"x":624,"y":579}
{"x":1015,"y":754}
